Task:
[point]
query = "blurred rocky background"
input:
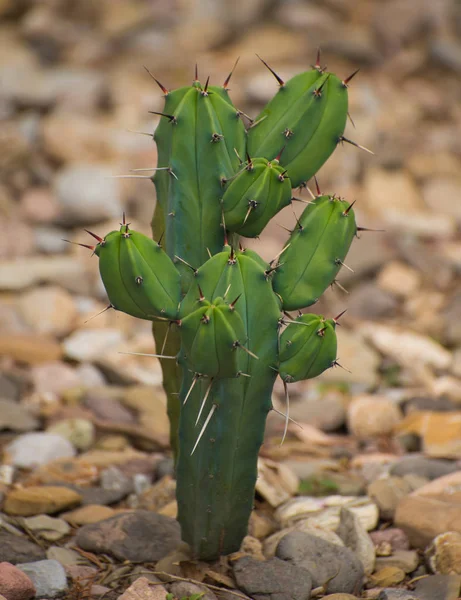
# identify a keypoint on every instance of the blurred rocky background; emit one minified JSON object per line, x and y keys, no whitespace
{"x":73,"y":94}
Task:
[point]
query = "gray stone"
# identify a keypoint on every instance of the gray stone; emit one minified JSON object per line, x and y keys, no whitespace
{"x":386,"y":493}
{"x":447,"y":52}
{"x":395,"y":594}
{"x":272,"y":579}
{"x":367,"y":301}
{"x":49,"y":528}
{"x":113,"y":479}
{"x":331,"y":565}
{"x":87,"y":194}
{"x":165,"y":467}
{"x":438,"y":587}
{"x":65,"y":556}
{"x":48,"y":576}
{"x":407,"y":560}
{"x":11,"y":386}
{"x":17,"y":549}
{"x":441,"y":404}
{"x":15,"y":416}
{"x":356,"y":538}
{"x":36,"y":449}
{"x":184,"y":589}
{"x":139,"y":536}
{"x":431,"y":468}
{"x":98,"y":495}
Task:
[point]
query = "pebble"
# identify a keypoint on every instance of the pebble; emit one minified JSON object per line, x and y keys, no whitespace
{"x":396,"y":594}
{"x":46,"y":527}
{"x":369,"y":416}
{"x":367,"y":301}
{"x":339,"y":597}
{"x":356,"y":538}
{"x":81,"y":433}
{"x":65,"y":556}
{"x":14,"y":584}
{"x":399,"y":279}
{"x":271,"y":543}
{"x":65,"y":471}
{"x":87,"y":194}
{"x":335,"y":566}
{"x":107,"y":407}
{"x":136,"y":536}
{"x":50,"y":240}
{"x":438,"y":587}
{"x":48,"y":310}
{"x":29,"y":349}
{"x":17,"y":549}
{"x":184,"y":589}
{"x":387,"y":576}
{"x":431,"y":468}
{"x":444,"y":553}
{"x":99,"y":495}
{"x":273,"y":579}
{"x":67,"y":271}
{"x":54,"y":377}
{"x":387,"y":493}
{"x":396,"y":538}
{"x":92,"y":513}
{"x":407,"y":560}
{"x":38,"y":205}
{"x":34,"y":449}
{"x":36,"y":500}
{"x":326,"y":411}
{"x":16,"y":417}
{"x":89,"y":344}
{"x":440,"y":432}
{"x":141,"y":589}
{"x":48,"y":576}
{"x":439,"y":192}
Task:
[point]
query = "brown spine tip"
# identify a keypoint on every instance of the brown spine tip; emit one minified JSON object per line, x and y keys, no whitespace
{"x":162,"y":87}
{"x":336,"y":319}
{"x":171,"y":118}
{"x":346,"y":81}
{"x":232,"y":304}
{"x":228,"y":78}
{"x":317,"y":60}
{"x":280,"y":154}
{"x":277,"y":77}
{"x":92,"y":248}
{"x":348,"y":141}
{"x":202,"y":297}
{"x":317,"y":187}
{"x":196,"y":72}
{"x":96,"y":237}
{"x":348,"y":209}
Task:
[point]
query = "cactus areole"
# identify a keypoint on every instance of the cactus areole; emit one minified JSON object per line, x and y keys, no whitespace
{"x":219,"y":311}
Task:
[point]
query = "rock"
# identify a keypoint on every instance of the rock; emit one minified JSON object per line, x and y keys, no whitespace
{"x":16,"y":417}
{"x":273,"y":579}
{"x":271,"y":543}
{"x":141,"y":589}
{"x":106,"y":407}
{"x":367,"y":301}
{"x":440,"y":432}
{"x":387,"y":493}
{"x":14,"y":584}
{"x":65,"y":471}
{"x":406,"y":347}
{"x":184,"y":589}
{"x":89,"y":344}
{"x":37,"y":500}
{"x":48,"y":576}
{"x":16,"y":549}
{"x":391,"y":191}
{"x":92,"y":513}
{"x":54,"y":377}
{"x":34,"y":449}
{"x":339,"y":597}
{"x":438,"y":193}
{"x":48,"y":310}
{"x":46,"y":527}
{"x":80,"y":433}
{"x":358,"y":357}
{"x":399,"y":279}
{"x":452,"y":314}
{"x":65,"y":556}
{"x":99,"y":495}
{"x":336,"y":567}
{"x":369,"y":416}
{"x":396,"y":538}
{"x":165,"y":467}
{"x":24,"y":272}
{"x":438,"y":587}
{"x":137,"y":536}
{"x":444,"y":553}
{"x":356,"y":538}
{"x":387,"y":576}
{"x":406,"y":560}
{"x":12,"y":386}
{"x":87,"y":194}
{"x":446,"y":52}
{"x":29,"y":349}
{"x":431,"y":468}
{"x":326,"y":411}
{"x":38,"y":205}
{"x":396,"y":594}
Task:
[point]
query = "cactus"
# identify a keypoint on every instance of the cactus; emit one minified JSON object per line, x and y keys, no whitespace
{"x":225,"y":308}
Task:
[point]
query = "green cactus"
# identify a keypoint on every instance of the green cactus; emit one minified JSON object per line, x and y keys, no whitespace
{"x":231,"y":334}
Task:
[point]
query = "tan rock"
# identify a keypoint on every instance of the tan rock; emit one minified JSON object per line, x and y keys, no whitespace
{"x":142,"y":590}
{"x":399,"y":279}
{"x":440,"y":432}
{"x":391,"y":190}
{"x":387,"y":493}
{"x":30,"y":349}
{"x":387,"y":576}
{"x":107,"y":458}
{"x":48,"y":310}
{"x":92,"y":513}
{"x":369,"y":416}
{"x":444,"y":553}
{"x":67,"y":470}
{"x":37,"y":500}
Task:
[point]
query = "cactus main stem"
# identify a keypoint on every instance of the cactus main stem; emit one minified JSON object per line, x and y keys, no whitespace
{"x":216,"y":484}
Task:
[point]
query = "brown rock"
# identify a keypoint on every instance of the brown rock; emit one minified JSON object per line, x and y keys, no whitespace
{"x":440,"y":432}
{"x":142,"y":590}
{"x":387,"y":493}
{"x":444,"y":553}
{"x":369,"y":416}
{"x":387,"y":576}
{"x":48,"y":310}
{"x":39,"y":205}
{"x":393,"y":536}
{"x":14,"y":584}
{"x":92,"y":513}
{"x":399,"y":279}
{"x":407,"y":560}
{"x":54,"y":377}
{"x":37,"y":500}
{"x":30,"y":349}
{"x":66,"y":470}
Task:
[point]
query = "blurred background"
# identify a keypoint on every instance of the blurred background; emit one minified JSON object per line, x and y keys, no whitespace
{"x":73,"y":90}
